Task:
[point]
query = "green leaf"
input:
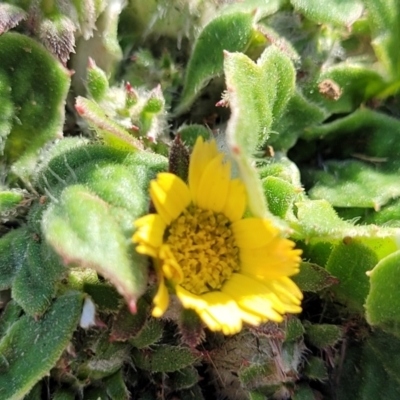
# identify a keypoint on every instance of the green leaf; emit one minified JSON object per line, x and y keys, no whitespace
{"x":294,"y":329}
{"x":315,"y":369}
{"x":356,"y":83}
{"x":27,"y":97}
{"x":9,"y":315}
{"x":40,"y":345}
{"x":163,"y":358}
{"x":126,"y":325}
{"x":378,"y":130}
{"x":341,"y":12}
{"x":355,"y":184}
{"x":183,"y":379}
{"x":323,"y":335}
{"x":35,"y":282}
{"x":111,"y":132}
{"x":280,"y":195}
{"x":364,"y":376}
{"x":299,"y":115}
{"x":190,"y":133}
{"x":313,"y":278}
{"x":13,"y":247}
{"x":383,"y":301}
{"x":97,"y":82}
{"x":150,"y":334}
{"x":81,"y":229}
{"x":383,"y":16}
{"x":230,"y":32}
{"x":116,"y":387}
{"x":8,"y":200}
{"x":255,"y":103}
{"x":63,"y":394}
{"x":318,"y":220}
{"x":349,"y":263}
{"x":105,"y":358}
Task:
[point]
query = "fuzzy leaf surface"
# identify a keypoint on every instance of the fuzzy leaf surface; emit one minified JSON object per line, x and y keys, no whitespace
{"x":349,"y":263}
{"x":82,"y":230}
{"x":383,"y":301}
{"x":231,"y":32}
{"x":313,"y":278}
{"x":258,"y":94}
{"x":27,"y":97}
{"x":341,"y":12}
{"x":40,"y":344}
{"x":355,"y":184}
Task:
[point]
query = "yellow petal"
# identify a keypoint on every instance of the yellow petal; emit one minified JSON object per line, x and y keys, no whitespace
{"x":236,"y":201}
{"x":161,"y":299}
{"x":190,"y":300}
{"x":254,"y":297}
{"x":170,"y":268}
{"x":286,"y":285}
{"x":212,"y":192}
{"x":151,"y":230}
{"x":147,"y":250}
{"x":222,"y":309}
{"x":170,"y":196}
{"x":269,"y":261}
{"x":251,"y":233}
{"x":202,"y":154}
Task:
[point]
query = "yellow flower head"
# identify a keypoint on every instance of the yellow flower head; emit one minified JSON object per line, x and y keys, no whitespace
{"x":229,"y":269}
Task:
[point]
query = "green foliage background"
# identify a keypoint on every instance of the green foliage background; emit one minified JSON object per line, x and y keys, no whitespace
{"x":302,"y":95}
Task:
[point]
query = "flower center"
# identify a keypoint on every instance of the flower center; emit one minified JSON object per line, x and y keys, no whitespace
{"x":204,"y":246}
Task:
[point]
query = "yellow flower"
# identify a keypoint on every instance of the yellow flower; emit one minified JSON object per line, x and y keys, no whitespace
{"x":227,"y":268}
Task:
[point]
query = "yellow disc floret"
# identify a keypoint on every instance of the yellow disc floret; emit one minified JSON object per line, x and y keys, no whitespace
{"x":204,"y":246}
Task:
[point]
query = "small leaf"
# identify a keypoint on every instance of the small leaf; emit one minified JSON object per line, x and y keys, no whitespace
{"x":163,"y":358}
{"x":179,"y":159}
{"x":183,"y":379}
{"x":323,"y":335}
{"x":9,"y":315}
{"x":105,"y":358}
{"x":40,"y":345}
{"x":280,"y":195}
{"x":57,"y":34}
{"x":81,"y":229}
{"x":112,"y":133}
{"x":313,"y":278}
{"x":63,"y":394}
{"x":116,"y":387}
{"x":349,"y":263}
{"x":125,"y":325}
{"x":150,"y":334}
{"x":8,"y":200}
{"x":294,"y":329}
{"x":383,"y":16}
{"x":231,"y":32}
{"x":10,"y":16}
{"x":341,"y":12}
{"x":13,"y":247}
{"x":28,"y":98}
{"x":383,"y":301}
{"x":315,"y":369}
{"x":190,"y":133}
{"x":97,"y":82}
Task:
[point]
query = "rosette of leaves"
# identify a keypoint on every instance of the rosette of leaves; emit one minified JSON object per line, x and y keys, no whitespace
{"x":312,"y":133}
